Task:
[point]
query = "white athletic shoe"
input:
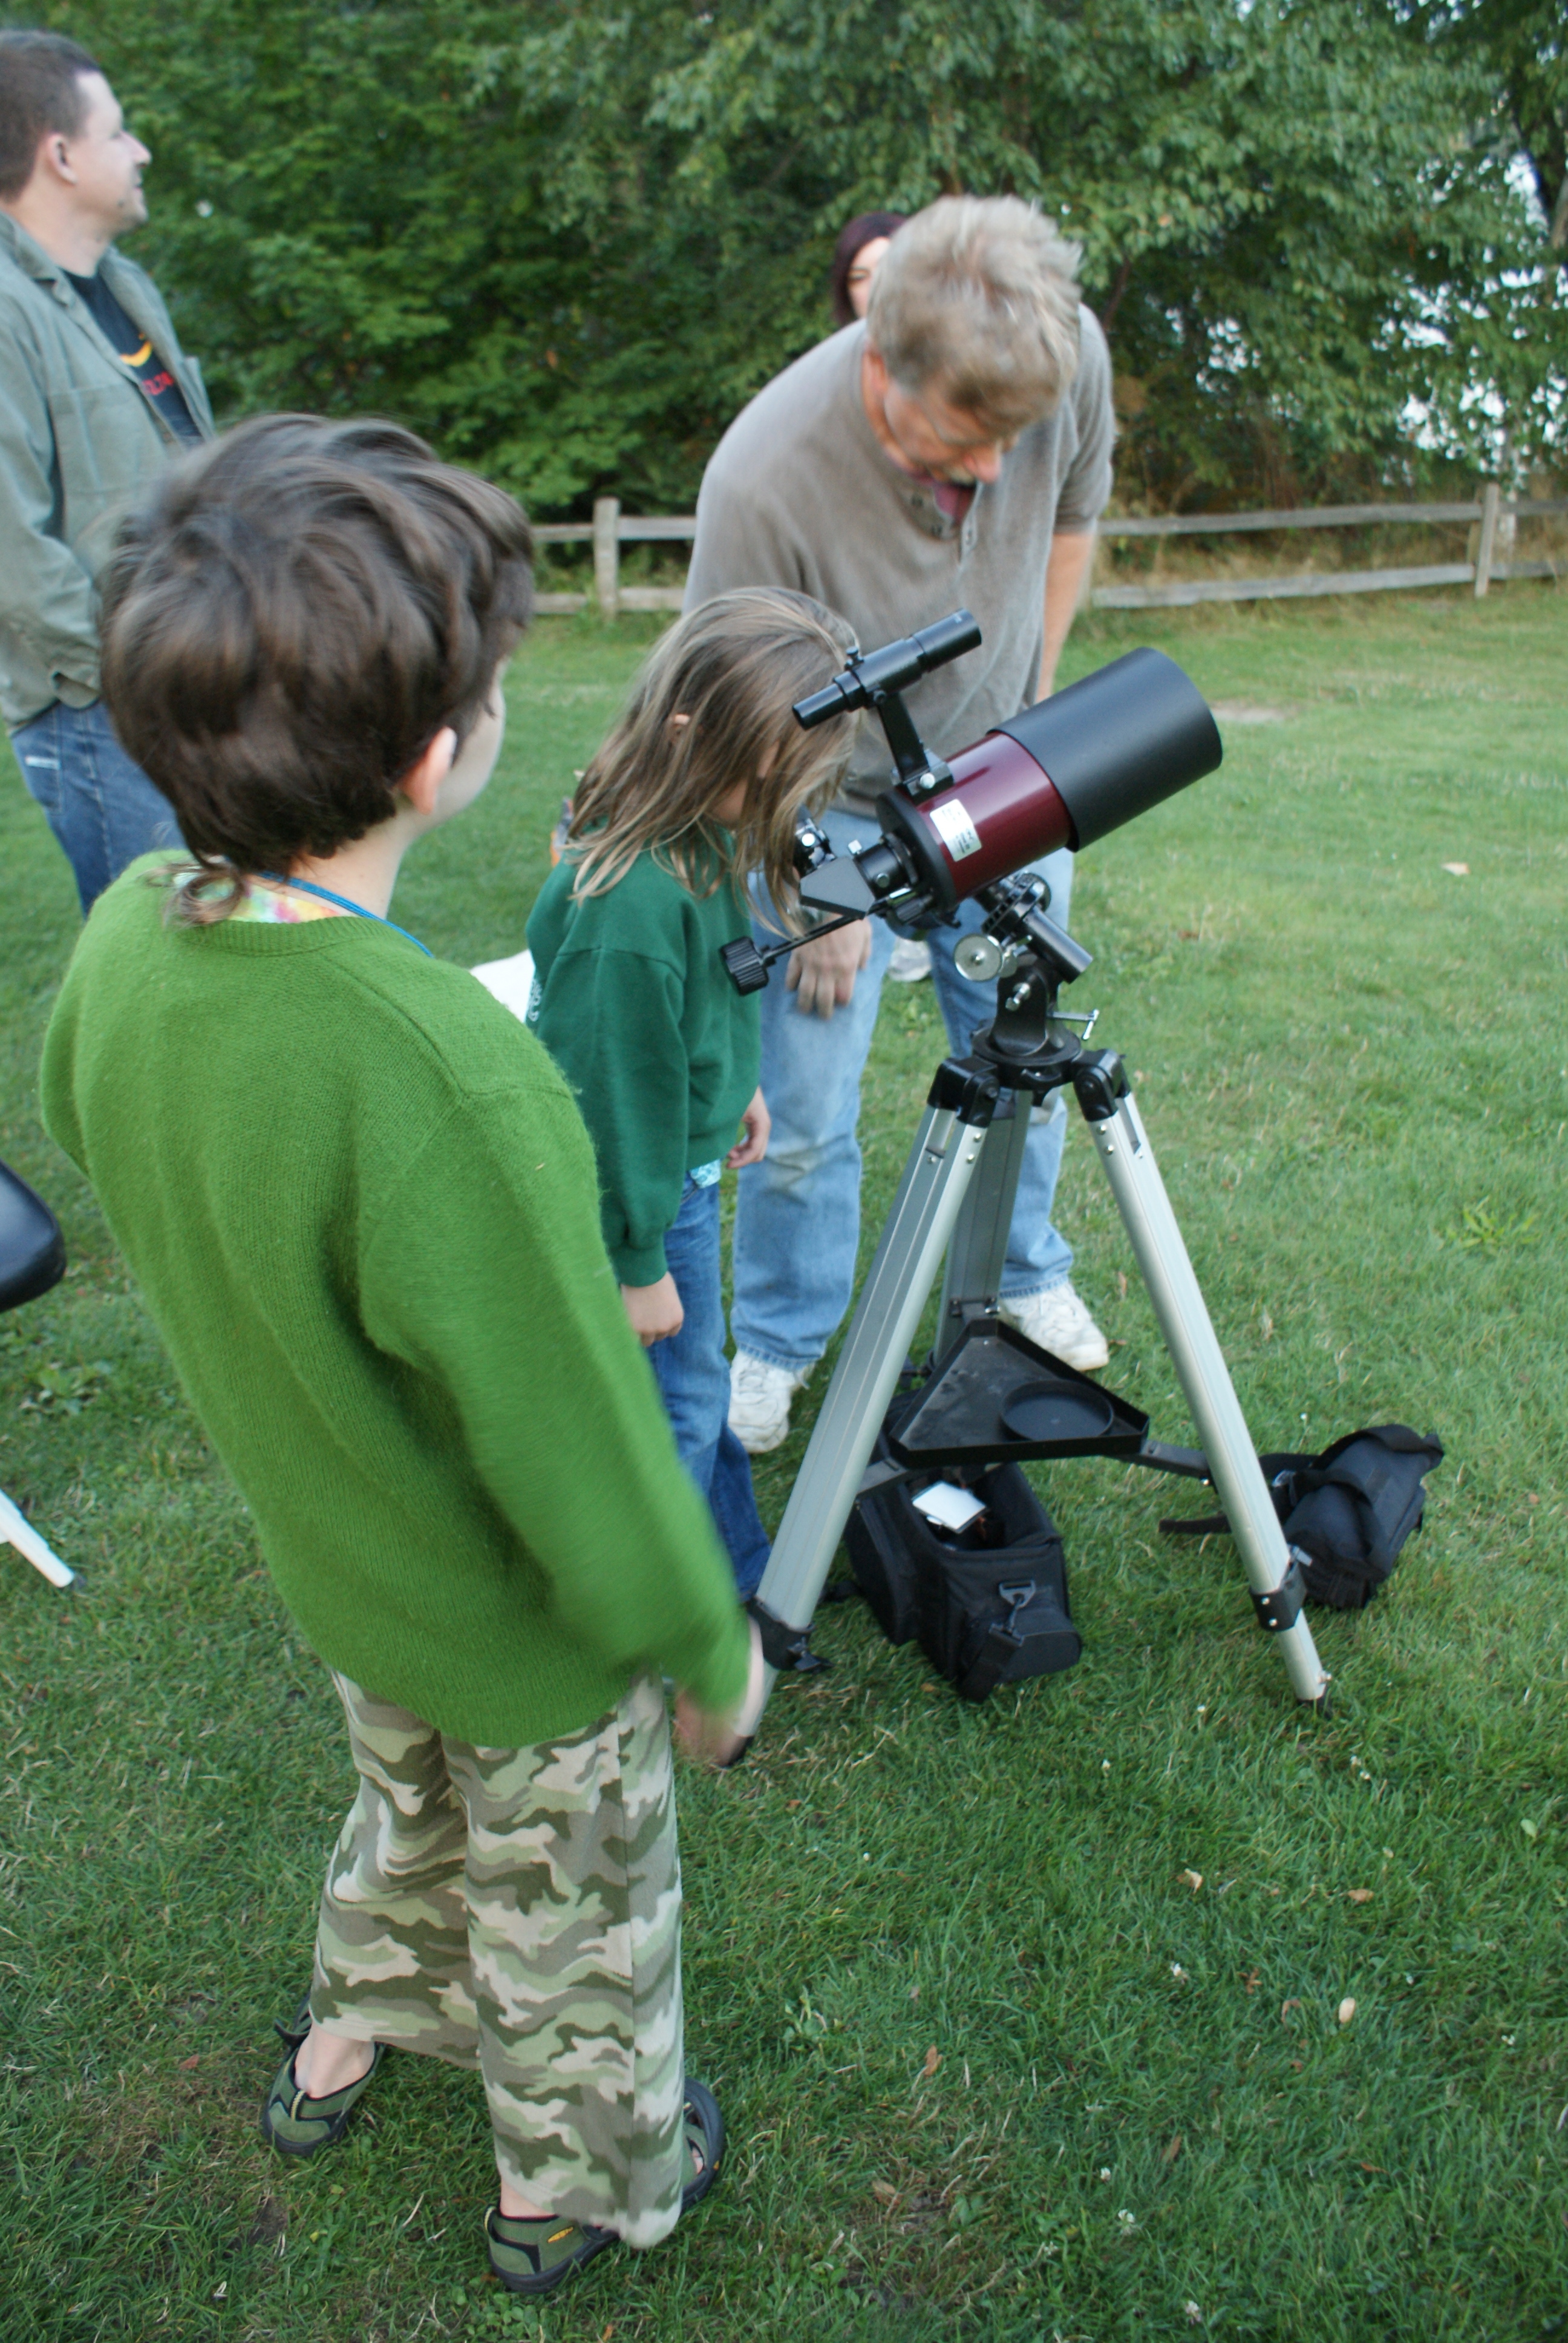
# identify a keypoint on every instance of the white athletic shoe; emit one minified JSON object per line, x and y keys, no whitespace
{"x":911,"y":960}
{"x":760,"y":1397}
{"x":1058,"y":1320}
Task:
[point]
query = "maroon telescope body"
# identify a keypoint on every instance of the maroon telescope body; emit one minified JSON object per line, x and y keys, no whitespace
{"x":1063,"y":773}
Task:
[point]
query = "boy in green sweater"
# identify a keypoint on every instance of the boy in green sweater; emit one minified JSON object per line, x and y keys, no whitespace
{"x":363,"y":1210}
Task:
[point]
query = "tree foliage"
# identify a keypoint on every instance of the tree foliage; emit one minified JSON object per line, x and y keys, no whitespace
{"x":1515,"y":52}
{"x":568,"y":238}
{"x":1522,"y":48}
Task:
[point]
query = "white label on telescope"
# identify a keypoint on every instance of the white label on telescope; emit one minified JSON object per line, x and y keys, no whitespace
{"x":954,"y":828}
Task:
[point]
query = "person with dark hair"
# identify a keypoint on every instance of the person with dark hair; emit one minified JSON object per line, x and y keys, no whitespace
{"x":364,"y":1212}
{"x":95,"y":396}
{"x":860,"y":246}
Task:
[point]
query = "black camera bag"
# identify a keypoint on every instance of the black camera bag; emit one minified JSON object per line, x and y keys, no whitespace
{"x":984,"y":1614}
{"x":1350,"y":1510}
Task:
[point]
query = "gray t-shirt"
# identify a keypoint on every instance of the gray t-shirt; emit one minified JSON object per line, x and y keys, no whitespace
{"x":799,"y":492}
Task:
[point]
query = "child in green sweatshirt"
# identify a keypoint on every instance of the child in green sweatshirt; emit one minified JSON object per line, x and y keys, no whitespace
{"x":698,"y":786}
{"x":361,"y":1207}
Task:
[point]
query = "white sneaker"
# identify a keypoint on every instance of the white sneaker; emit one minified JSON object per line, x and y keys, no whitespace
{"x":911,"y":960}
{"x":1058,"y":1320}
{"x":760,"y":1397}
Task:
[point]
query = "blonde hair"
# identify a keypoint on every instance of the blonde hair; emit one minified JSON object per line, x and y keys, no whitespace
{"x":711,"y":706}
{"x":976,"y":300}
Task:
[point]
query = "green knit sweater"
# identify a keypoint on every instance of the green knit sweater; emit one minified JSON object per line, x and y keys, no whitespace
{"x":362,"y":1209}
{"x":634,"y":1005}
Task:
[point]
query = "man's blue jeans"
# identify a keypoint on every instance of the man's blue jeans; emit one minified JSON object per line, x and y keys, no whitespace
{"x":693,"y":1375}
{"x":101,"y":807}
{"x":798,"y":1215}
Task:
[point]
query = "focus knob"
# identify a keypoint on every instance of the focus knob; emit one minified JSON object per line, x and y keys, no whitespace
{"x":744,"y":965}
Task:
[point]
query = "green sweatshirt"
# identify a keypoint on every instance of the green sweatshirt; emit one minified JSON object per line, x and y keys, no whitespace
{"x":664,"y":1054}
{"x":360,"y":1205}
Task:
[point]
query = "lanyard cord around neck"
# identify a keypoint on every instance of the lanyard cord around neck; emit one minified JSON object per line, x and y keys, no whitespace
{"x":308,"y":886}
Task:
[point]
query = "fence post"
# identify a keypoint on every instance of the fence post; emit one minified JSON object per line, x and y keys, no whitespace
{"x":1507,"y":545}
{"x":1491,"y":496}
{"x":606,"y":555}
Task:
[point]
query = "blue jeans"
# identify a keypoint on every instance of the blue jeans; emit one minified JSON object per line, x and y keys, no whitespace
{"x":693,"y":1377}
{"x":101,"y":807}
{"x":798,"y":1215}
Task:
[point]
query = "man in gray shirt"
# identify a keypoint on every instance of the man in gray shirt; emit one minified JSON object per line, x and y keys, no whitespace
{"x":955,"y":449}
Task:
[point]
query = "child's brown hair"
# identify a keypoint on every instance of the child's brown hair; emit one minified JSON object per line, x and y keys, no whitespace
{"x":710,"y":707}
{"x":289,"y":620}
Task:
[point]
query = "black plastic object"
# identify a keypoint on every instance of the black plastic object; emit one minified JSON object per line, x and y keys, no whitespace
{"x":1054,"y":1410}
{"x":1278,"y":1610}
{"x":787,"y":1649}
{"x":744,"y":965}
{"x":998,"y":1398}
{"x":32,"y":1250}
{"x":988,"y":1604}
{"x":1346,"y":1511}
{"x":1120,"y":740}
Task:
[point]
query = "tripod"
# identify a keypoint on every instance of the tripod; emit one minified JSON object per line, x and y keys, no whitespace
{"x":991,"y":1394}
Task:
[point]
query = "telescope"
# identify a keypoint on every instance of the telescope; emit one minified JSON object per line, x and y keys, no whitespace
{"x":1065,"y":772}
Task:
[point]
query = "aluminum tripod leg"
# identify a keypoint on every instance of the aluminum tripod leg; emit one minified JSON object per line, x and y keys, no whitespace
{"x":1179,"y":1305}
{"x":936,"y":1176}
{"x":977,"y":1252}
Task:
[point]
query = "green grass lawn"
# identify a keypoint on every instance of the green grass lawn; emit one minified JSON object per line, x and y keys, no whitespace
{"x":993,"y":2069}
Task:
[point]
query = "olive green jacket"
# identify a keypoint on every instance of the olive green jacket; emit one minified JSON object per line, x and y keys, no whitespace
{"x":78,"y":441}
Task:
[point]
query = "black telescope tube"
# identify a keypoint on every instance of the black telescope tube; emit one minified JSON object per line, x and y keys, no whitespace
{"x":1120,"y":742}
{"x":1063,"y":773}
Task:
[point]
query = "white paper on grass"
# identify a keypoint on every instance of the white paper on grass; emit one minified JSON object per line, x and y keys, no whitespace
{"x":511,"y":980}
{"x":948,"y":1506}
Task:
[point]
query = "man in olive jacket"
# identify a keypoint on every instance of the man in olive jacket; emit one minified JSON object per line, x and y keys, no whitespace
{"x":95,"y":396}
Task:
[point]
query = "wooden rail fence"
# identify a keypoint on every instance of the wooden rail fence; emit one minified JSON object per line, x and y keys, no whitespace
{"x":1495,"y":514}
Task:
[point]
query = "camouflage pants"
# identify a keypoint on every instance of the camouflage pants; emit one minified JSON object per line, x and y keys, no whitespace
{"x":518,"y":1910}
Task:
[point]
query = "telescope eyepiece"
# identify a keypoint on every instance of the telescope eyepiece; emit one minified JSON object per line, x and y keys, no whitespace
{"x":835,"y":699}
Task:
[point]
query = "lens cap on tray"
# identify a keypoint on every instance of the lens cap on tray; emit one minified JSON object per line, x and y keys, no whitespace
{"x":1054,"y":1411}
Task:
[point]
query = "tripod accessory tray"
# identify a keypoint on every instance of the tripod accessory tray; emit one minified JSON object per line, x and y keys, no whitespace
{"x":998,"y":1398}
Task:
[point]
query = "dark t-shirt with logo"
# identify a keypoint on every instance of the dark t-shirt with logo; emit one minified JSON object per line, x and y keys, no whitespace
{"x":135,"y":353}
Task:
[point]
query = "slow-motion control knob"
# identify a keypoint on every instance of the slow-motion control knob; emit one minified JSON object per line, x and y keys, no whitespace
{"x":744,"y":965}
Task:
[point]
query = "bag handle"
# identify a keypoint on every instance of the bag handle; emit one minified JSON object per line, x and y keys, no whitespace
{"x":1002,"y":1645}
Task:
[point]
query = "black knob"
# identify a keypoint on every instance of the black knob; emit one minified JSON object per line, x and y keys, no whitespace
{"x":744,"y":965}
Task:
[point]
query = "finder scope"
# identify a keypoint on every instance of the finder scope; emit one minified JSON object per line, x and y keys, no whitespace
{"x":868,"y":675}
